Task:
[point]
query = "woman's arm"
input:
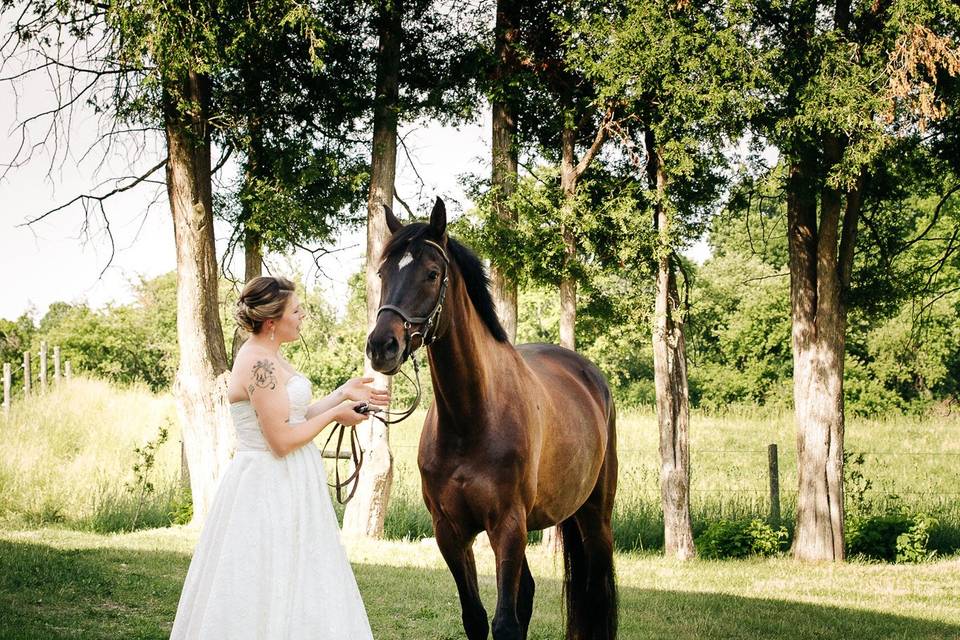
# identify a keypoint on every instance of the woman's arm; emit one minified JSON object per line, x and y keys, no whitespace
{"x":327,"y":402}
{"x":269,"y":400}
{"x":355,"y":389}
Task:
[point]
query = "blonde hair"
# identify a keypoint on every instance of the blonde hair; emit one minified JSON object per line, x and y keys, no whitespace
{"x":262,"y":299}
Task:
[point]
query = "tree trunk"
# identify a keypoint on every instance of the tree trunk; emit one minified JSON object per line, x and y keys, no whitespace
{"x":201,"y":382}
{"x":366,"y":513}
{"x":252,"y":268}
{"x":568,"y":284}
{"x":504,"y":155}
{"x":818,"y":336}
{"x":670,"y":379}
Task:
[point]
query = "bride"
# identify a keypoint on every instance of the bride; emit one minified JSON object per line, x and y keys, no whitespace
{"x":269,"y":563}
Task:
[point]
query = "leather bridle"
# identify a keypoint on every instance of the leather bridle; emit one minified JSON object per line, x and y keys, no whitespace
{"x":427,"y":332}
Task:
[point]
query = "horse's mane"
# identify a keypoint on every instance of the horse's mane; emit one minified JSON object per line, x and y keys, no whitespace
{"x":471,"y":269}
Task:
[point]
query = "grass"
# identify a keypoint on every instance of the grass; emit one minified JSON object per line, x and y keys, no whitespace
{"x":69,"y":456}
{"x":56,"y":583}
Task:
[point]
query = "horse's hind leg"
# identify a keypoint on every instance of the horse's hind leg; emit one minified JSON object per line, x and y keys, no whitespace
{"x":458,"y":554}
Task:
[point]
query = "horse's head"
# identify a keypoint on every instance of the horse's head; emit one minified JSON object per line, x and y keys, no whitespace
{"x":414,"y":275}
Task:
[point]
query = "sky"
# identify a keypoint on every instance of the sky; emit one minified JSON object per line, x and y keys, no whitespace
{"x":67,"y":257}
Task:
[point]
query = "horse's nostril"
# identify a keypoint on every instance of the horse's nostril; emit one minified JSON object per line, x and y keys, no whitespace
{"x":391,"y":348}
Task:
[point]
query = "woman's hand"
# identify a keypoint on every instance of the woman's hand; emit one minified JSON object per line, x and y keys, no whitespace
{"x":346,"y":413}
{"x":359,"y":389}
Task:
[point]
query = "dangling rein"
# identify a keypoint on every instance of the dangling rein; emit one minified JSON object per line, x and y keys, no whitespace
{"x":356,"y":451}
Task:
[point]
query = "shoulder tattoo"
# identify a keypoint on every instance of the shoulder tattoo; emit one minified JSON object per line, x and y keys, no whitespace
{"x":263,"y":376}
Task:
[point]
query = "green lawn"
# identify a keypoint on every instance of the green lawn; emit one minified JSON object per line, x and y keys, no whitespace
{"x":57,"y":583}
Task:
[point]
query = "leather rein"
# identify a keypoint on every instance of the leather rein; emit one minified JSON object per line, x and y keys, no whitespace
{"x":427,"y":332}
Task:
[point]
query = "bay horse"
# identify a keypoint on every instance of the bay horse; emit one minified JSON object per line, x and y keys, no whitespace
{"x":517,"y":439}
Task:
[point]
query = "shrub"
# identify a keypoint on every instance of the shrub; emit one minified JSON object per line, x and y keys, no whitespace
{"x":913,"y":545}
{"x":894,"y":536}
{"x":875,"y":536}
{"x":740,"y":538}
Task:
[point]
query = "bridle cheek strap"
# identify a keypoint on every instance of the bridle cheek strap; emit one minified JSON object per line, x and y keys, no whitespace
{"x":427,"y":332}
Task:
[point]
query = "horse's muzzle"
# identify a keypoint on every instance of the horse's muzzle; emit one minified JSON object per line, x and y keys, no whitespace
{"x":384,"y":348}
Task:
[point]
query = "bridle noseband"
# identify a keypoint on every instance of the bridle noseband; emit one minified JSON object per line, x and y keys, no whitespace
{"x":427,"y":332}
{"x":428,"y":323}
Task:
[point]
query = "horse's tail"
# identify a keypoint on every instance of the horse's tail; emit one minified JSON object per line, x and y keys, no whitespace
{"x":590,"y":590}
{"x":589,"y":586}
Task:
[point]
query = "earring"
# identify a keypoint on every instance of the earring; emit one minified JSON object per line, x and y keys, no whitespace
{"x":273,"y":333}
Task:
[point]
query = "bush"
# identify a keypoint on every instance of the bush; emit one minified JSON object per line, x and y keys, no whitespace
{"x":740,"y":539}
{"x":894,"y":536}
{"x":875,"y":536}
{"x":913,"y":545}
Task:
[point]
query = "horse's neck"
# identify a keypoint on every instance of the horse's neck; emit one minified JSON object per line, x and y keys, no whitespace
{"x":463,"y":363}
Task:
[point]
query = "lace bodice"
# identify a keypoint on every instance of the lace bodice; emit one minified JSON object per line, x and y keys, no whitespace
{"x":249,"y":435}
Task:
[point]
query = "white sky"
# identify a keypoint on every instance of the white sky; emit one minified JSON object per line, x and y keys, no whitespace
{"x":53,"y":260}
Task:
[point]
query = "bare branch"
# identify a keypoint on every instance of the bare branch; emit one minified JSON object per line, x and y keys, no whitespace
{"x":599,"y":139}
{"x":403,"y":144}
{"x":404,"y":204}
{"x":84,"y":199}
{"x":318,"y":253}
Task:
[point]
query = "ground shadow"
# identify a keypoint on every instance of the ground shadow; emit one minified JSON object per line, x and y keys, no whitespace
{"x":47,"y":592}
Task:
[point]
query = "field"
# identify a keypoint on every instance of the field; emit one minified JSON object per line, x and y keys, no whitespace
{"x":70,"y":566}
{"x":76,"y":585}
{"x":68,"y":461}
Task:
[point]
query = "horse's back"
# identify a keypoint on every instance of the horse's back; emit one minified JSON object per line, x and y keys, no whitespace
{"x":556,"y":366}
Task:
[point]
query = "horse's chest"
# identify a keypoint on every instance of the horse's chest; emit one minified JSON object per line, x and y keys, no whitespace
{"x":452,"y":470}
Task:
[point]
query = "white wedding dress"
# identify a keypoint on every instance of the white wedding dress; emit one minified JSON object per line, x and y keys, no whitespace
{"x":269,"y":563}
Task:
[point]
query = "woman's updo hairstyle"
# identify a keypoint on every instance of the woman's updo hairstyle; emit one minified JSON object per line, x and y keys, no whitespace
{"x":262,"y":299}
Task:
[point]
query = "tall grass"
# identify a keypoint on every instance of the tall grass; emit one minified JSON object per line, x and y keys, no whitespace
{"x":914,"y":458}
{"x":68,"y":458}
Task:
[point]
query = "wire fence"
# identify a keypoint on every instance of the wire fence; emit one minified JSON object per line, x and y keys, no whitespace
{"x":747,"y":472}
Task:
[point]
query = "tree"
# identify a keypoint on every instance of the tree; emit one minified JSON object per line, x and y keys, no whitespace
{"x":504,"y":148}
{"x":848,"y":79}
{"x":423,"y":67}
{"x":149,"y":68}
{"x":678,"y":73}
{"x":297,"y":106}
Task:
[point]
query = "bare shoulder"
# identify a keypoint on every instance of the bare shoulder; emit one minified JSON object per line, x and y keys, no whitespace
{"x":257,"y":369}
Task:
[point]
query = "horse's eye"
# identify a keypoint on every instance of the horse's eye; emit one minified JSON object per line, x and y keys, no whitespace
{"x":433,"y":275}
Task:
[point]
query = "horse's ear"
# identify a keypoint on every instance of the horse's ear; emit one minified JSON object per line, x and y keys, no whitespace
{"x":393,"y":224}
{"x":438,"y":218}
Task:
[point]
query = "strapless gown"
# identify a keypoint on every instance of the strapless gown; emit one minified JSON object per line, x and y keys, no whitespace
{"x":269,"y":563}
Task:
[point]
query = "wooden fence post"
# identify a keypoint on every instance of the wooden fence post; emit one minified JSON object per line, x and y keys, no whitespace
{"x":43,"y":367}
{"x":26,"y":374}
{"x":67,"y":370}
{"x":774,"y":484}
{"x":6,"y":388}
{"x":56,"y":365}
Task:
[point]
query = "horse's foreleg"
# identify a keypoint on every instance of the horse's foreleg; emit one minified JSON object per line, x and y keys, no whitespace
{"x":508,"y":538}
{"x":525,"y":598}
{"x":458,"y":555}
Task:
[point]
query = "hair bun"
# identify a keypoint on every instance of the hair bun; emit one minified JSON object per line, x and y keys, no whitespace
{"x":244,"y":316}
{"x":263,"y":298}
